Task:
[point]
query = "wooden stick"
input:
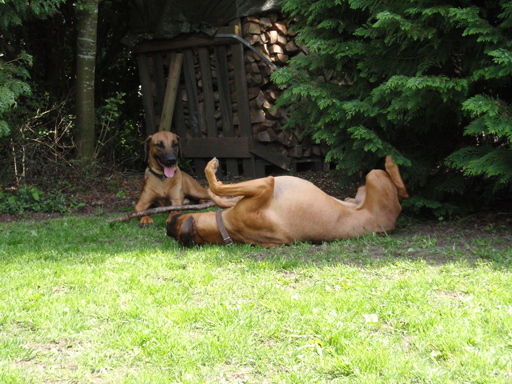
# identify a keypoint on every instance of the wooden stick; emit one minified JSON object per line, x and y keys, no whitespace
{"x":170,"y":208}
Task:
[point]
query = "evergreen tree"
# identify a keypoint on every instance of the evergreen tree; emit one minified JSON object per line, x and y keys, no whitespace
{"x":426,"y":81}
{"x":13,"y":64}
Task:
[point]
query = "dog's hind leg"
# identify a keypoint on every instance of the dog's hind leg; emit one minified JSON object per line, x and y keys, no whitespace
{"x":260,"y":189}
{"x":193,"y":189}
{"x":394,"y":173}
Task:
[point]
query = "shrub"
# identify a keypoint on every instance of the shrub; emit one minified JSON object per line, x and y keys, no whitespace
{"x":427,"y":82}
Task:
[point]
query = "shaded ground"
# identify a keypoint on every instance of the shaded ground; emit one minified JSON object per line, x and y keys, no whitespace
{"x":119,"y":192}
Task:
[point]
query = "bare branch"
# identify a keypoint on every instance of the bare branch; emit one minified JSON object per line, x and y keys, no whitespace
{"x":170,"y":208}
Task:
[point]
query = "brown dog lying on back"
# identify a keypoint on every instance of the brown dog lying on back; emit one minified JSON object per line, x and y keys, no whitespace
{"x":281,"y":210}
{"x":164,"y":183}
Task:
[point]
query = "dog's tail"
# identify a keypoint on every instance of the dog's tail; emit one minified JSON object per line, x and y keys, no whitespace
{"x":394,"y":173}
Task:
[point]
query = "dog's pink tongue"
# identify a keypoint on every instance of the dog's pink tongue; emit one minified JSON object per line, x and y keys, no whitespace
{"x":169,"y":172}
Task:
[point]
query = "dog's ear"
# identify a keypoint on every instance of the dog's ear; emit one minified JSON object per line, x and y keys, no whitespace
{"x":187,"y":232}
{"x":147,"y":143}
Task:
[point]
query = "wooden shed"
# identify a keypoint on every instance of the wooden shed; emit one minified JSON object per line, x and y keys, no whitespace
{"x":214,"y":91}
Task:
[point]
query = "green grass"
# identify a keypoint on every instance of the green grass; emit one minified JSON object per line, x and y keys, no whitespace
{"x":82,"y":301}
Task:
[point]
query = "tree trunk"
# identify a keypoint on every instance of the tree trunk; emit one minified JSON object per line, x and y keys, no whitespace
{"x":85,"y":69}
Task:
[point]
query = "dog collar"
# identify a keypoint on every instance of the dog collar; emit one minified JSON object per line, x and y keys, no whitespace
{"x":223,"y":232}
{"x":161,"y":177}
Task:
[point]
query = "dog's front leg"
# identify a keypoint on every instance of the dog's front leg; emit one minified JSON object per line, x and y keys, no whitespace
{"x":144,"y":203}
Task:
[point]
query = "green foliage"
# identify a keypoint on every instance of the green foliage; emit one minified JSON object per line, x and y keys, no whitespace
{"x":30,"y":198}
{"x":12,"y":87}
{"x":13,"y":71}
{"x":427,"y":82}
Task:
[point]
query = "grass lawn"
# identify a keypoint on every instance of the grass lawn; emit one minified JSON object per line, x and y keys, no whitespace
{"x":82,"y":301}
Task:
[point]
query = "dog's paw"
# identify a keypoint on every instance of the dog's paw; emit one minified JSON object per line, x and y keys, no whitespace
{"x":145,"y":221}
{"x":213,"y":164}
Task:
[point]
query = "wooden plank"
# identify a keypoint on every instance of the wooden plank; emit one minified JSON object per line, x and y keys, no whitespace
{"x":171,"y":91}
{"x":147,"y":95}
{"x":226,"y":109}
{"x":175,"y":44}
{"x":191,"y":87}
{"x":158,"y":67}
{"x":221,"y":147}
{"x":242,"y":94}
{"x":209,"y":103}
{"x":268,"y":154}
{"x":179,"y":117}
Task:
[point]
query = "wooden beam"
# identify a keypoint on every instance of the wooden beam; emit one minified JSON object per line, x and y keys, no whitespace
{"x":171,"y":91}
{"x":190,"y":42}
{"x":222,"y":147}
{"x":268,"y":154}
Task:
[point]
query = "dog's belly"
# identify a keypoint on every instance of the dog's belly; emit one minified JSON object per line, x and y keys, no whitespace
{"x":301,"y":211}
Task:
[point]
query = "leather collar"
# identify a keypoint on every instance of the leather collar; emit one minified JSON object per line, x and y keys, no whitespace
{"x":162,"y":177}
{"x":223,"y":232}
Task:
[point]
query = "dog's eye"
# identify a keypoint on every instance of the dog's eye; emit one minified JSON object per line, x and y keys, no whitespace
{"x":160,"y":145}
{"x":174,"y":144}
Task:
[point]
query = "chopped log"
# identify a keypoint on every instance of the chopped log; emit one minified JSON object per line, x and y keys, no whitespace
{"x":275,"y":48}
{"x":271,"y":134}
{"x":272,"y":37}
{"x":253,"y":39}
{"x":291,"y":47}
{"x":273,"y":113}
{"x":281,"y":27}
{"x":284,"y":139}
{"x":251,"y":28}
{"x":265,"y":22}
{"x":282,"y":40}
{"x":271,"y":95}
{"x":295,"y":151}
{"x":257,"y":116}
{"x":267,"y":105}
{"x":257,"y":128}
{"x":253,"y":92}
{"x":281,"y":58}
{"x":270,"y":123}
{"x":249,"y":56}
{"x":260,"y":100}
{"x":263,"y":137}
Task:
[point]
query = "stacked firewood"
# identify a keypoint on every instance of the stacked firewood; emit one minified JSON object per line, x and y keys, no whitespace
{"x":272,"y":36}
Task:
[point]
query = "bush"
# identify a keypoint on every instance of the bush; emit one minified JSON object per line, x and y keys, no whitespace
{"x":29,"y":198}
{"x":427,"y":82}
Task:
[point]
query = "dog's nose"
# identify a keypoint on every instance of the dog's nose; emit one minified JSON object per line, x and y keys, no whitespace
{"x":169,"y":160}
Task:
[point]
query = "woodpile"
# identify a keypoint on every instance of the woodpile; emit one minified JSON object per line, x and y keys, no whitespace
{"x":272,"y":37}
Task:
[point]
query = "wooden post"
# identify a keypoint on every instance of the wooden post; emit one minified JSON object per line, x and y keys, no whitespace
{"x":147,"y":98}
{"x":171,"y":91}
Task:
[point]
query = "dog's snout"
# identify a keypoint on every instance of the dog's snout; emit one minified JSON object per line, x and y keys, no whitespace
{"x":172,"y":226}
{"x":169,"y":159}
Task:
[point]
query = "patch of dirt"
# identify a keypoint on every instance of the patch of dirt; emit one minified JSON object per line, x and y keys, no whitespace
{"x":119,"y":192}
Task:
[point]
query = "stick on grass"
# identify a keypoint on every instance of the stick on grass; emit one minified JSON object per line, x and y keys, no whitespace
{"x":170,"y":208}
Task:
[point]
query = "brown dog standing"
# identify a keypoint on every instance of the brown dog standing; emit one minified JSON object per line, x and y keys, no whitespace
{"x":284,"y":209}
{"x":164,"y":183}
